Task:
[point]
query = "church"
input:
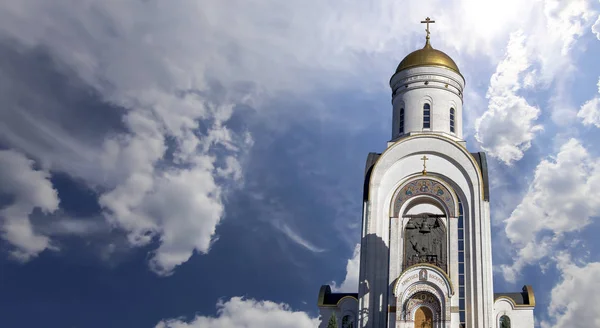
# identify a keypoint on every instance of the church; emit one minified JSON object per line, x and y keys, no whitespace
{"x":426,"y":250}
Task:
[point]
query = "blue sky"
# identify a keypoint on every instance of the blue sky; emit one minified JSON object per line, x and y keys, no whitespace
{"x":200,"y":163}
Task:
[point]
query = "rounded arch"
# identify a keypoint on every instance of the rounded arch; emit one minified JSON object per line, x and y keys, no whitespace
{"x":429,"y":188}
{"x":426,"y":99}
{"x":420,"y":299}
{"x":506,"y":299}
{"x":382,"y":163}
{"x":452,"y":103}
{"x":417,"y":200}
{"x":408,"y":272}
{"x":346,"y":299}
{"x":423,"y":315}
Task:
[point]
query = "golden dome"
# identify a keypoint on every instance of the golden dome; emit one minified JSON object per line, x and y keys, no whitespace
{"x":427,"y":57}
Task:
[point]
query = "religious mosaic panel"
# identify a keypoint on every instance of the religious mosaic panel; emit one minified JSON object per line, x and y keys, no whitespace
{"x":425,"y":241}
{"x":422,"y":300}
{"x":424,"y":186}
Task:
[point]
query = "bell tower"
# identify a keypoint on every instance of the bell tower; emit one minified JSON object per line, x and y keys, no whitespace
{"x":426,"y":258}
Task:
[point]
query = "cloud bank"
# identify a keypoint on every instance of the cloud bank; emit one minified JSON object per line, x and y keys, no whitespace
{"x":560,"y":200}
{"x":240,"y":312}
{"x":507,"y":128}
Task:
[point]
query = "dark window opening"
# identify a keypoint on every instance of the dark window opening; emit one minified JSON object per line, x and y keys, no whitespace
{"x":401,"y":128}
{"x":426,"y":116}
{"x":504,"y":322}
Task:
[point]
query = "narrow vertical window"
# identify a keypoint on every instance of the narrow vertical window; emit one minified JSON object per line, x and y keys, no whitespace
{"x":401,"y":127}
{"x":426,"y":116}
{"x":461,"y":266}
{"x":504,"y":322}
{"x":452,"y":120}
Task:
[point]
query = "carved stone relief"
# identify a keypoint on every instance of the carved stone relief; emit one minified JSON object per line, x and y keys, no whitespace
{"x":425,"y":242}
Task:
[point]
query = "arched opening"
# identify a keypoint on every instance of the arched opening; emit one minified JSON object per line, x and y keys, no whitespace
{"x":401,"y":127}
{"x":426,"y":116}
{"x":504,"y":322}
{"x":347,"y":321}
{"x":452,"y":120}
{"x":423,"y":318}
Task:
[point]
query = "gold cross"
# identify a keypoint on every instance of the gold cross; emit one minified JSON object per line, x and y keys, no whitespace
{"x":424,"y":159}
{"x":427,"y":21}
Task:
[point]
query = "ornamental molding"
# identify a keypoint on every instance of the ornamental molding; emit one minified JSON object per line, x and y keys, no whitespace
{"x":419,"y":276}
{"x":425,"y":186}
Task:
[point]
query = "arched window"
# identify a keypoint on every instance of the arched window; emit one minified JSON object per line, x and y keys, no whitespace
{"x":401,"y":128}
{"x":347,"y":322}
{"x":452,"y":120}
{"x":426,"y":116}
{"x":504,"y":322}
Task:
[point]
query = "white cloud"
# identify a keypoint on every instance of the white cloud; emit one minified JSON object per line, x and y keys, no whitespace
{"x":540,"y":57}
{"x":28,"y":189}
{"x":596,"y":28}
{"x":553,"y":38}
{"x":350,"y":283}
{"x":139,"y":56}
{"x":180,"y":206}
{"x":571,"y":299}
{"x":506,"y":129}
{"x":590,"y":110}
{"x":240,"y":312}
{"x":157,"y":62}
{"x":561,"y":199}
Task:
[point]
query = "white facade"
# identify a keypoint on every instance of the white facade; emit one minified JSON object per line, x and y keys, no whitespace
{"x":343,"y":307}
{"x":450,"y":165}
{"x":519,"y":311}
{"x":426,"y":257}
{"x":440,"y":87}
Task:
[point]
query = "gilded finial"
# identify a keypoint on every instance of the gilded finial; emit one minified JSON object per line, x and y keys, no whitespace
{"x":427,"y":21}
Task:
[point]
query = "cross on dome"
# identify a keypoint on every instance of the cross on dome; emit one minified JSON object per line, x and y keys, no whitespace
{"x":428,"y":56}
{"x":427,"y":21}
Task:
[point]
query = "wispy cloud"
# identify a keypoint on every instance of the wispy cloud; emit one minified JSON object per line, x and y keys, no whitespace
{"x":295,"y":237}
